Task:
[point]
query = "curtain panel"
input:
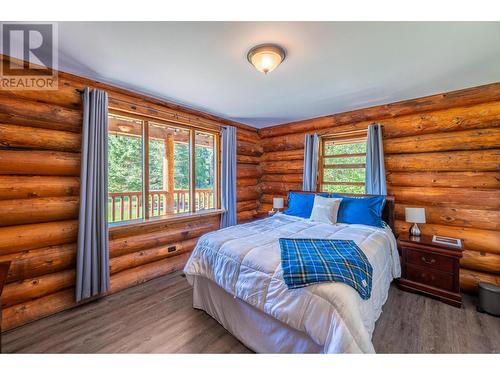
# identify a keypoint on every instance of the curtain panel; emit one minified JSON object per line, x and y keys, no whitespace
{"x":92,"y":265}
{"x":228,"y":177}
{"x":311,"y":154}
{"x":375,"y":169}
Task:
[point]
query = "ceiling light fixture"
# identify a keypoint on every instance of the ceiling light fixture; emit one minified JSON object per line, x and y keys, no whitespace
{"x":266,"y":57}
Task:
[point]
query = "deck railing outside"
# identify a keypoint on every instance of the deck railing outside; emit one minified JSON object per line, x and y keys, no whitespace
{"x":128,"y":205}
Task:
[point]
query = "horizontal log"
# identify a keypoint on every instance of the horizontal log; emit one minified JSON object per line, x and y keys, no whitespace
{"x":66,"y":95}
{"x":247,"y":205}
{"x":146,"y":272}
{"x":35,"y":114}
{"x":474,"y":239}
{"x":247,"y":193}
{"x":480,"y":261}
{"x":46,"y":163}
{"x":247,"y":136}
{"x":177,"y":222}
{"x":248,"y":148}
{"x":139,"y":258}
{"x":290,"y":178}
{"x":25,"y":290}
{"x":37,"y":262}
{"x":297,"y":154}
{"x":487,"y":199}
{"x":246,"y":216}
{"x":127,"y":245}
{"x":20,"y":187}
{"x":17,"y":315}
{"x":38,"y":210}
{"x":18,"y":238}
{"x":485,"y":160}
{"x":248,"y":159}
{"x":469,"y":279}
{"x":248,"y":171}
{"x":242,"y":182}
{"x":412,"y":118}
{"x":476,"y":139}
{"x":279,"y":187}
{"x":457,"y":217}
{"x":280,"y":167}
{"x":35,"y":138}
{"x":289,"y":142}
{"x":265,"y":208}
{"x":483,"y":180}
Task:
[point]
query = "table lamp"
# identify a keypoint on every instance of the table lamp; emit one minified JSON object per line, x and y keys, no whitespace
{"x":278,"y":203}
{"x":415,"y":215}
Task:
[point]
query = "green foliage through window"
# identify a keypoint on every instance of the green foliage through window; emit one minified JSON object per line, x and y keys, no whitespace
{"x":349,"y":176}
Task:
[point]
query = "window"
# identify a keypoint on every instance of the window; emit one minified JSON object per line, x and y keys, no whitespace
{"x":175,"y":167}
{"x":342,"y":163}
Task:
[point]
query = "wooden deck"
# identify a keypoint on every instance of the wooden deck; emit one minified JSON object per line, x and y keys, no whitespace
{"x":157,"y":317}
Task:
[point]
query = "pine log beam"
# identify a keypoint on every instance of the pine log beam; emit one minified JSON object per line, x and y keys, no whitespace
{"x":46,"y":163}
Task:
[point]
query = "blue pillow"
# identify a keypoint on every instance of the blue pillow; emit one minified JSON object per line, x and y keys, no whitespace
{"x":301,"y":204}
{"x":361,"y":210}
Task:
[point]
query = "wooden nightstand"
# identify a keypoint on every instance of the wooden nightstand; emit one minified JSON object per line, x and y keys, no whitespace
{"x":4,"y":270}
{"x":430,"y":268}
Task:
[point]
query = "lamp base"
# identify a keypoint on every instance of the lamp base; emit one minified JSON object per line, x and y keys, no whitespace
{"x":415,"y":230}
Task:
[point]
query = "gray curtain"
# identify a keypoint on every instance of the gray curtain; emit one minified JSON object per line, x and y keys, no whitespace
{"x":311,"y":150}
{"x":375,"y":170}
{"x":228,"y":177}
{"x":92,"y":264}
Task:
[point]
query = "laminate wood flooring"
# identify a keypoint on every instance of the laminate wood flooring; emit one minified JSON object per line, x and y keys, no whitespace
{"x":157,"y":317}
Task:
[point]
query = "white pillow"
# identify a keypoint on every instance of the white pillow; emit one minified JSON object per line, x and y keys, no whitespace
{"x":325,"y":210}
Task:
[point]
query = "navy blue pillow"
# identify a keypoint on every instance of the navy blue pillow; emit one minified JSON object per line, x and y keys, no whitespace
{"x":301,"y":204}
{"x":360,"y":210}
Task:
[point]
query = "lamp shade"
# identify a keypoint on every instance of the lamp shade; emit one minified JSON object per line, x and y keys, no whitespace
{"x":278,"y":202}
{"x":415,"y":215}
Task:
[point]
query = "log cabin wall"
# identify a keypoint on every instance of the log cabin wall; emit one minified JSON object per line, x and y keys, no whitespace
{"x":441,"y":152}
{"x":39,"y":198}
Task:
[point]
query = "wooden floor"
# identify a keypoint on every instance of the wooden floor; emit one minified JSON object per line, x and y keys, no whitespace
{"x":157,"y":317}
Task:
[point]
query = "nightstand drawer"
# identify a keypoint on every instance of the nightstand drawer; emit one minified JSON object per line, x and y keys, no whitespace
{"x":429,"y":277}
{"x":425,"y":259}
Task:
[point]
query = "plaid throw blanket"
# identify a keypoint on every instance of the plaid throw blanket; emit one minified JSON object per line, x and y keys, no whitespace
{"x":312,"y":261}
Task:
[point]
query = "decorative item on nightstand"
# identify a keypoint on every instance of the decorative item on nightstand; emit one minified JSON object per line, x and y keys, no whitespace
{"x":278,"y":203}
{"x":415,"y":216}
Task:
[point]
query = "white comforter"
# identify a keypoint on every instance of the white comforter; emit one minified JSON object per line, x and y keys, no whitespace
{"x":244,"y":260}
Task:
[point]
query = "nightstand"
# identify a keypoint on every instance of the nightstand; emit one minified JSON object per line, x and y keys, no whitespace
{"x":4,"y":271}
{"x":430,"y":268}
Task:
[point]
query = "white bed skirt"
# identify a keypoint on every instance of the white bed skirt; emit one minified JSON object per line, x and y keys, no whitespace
{"x":258,"y":331}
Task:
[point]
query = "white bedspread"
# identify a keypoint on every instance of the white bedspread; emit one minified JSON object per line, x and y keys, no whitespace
{"x":244,"y":260}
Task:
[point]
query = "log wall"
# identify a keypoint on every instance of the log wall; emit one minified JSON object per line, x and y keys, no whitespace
{"x":441,"y":152}
{"x":40,"y":144}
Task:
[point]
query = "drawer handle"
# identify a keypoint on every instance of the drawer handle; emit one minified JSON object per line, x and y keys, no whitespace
{"x":425,"y":276}
{"x":432,"y":260}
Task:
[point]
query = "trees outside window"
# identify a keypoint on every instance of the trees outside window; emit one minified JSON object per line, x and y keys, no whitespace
{"x":181,"y":166}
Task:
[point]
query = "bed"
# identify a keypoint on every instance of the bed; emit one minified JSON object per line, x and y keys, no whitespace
{"x":237,"y":279}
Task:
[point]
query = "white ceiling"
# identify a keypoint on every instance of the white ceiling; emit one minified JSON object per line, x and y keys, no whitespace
{"x":331,"y":67}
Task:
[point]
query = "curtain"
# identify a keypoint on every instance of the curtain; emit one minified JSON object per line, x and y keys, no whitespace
{"x":228,"y":177}
{"x":375,"y":170}
{"x":311,"y":150}
{"x":92,"y":264}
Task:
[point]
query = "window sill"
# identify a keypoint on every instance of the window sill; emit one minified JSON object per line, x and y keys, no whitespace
{"x":178,"y":218}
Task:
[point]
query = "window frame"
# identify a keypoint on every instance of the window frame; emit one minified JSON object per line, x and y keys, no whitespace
{"x":356,"y":136}
{"x":192,"y":129}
